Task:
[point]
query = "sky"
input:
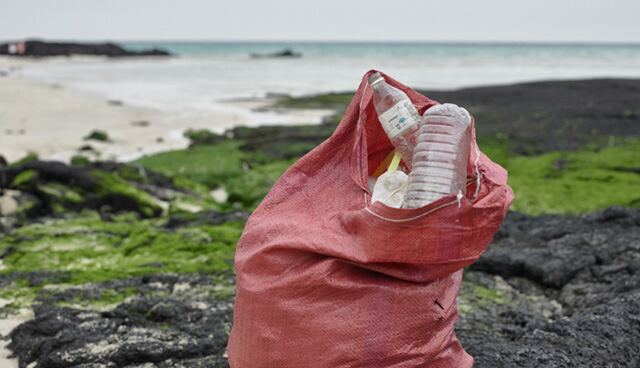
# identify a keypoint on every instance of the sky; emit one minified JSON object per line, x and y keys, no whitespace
{"x":323,"y":20}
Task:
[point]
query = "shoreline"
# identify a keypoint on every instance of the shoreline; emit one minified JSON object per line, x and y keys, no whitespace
{"x":52,"y":120}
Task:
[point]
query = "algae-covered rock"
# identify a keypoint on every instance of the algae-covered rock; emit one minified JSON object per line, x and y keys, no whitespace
{"x":97,"y":135}
{"x":31,"y":156}
{"x":203,"y":136}
{"x":24,"y":180}
{"x":89,"y":249}
{"x":80,"y":160}
{"x":118,"y":194}
{"x":61,"y":187}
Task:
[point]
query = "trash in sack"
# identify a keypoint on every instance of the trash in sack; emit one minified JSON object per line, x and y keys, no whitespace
{"x":391,"y":187}
{"x":327,"y":278}
{"x":436,"y":147}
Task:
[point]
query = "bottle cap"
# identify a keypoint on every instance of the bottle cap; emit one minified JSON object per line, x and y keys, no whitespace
{"x":375,"y":78}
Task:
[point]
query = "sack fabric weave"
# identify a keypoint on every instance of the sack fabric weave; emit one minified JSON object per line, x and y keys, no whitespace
{"x":326,"y":279}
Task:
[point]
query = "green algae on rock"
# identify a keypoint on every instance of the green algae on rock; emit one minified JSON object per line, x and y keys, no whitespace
{"x":97,"y":135}
{"x":111,"y":190}
{"x":246,"y":176}
{"x":61,"y":187}
{"x":87,"y":249}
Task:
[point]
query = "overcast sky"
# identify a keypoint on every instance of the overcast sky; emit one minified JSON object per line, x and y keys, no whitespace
{"x":371,"y":20}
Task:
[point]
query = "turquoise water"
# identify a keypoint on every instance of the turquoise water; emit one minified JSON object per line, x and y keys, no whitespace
{"x":410,"y":49}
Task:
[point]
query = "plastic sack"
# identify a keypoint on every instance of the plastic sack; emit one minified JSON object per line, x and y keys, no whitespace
{"x":327,"y":279}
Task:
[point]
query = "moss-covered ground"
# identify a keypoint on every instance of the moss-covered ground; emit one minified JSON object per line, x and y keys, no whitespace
{"x":82,"y":246}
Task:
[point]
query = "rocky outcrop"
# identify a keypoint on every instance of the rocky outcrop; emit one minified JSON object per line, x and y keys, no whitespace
{"x":286,"y":53}
{"x":44,"y":48}
{"x":541,"y":117}
{"x":556,"y":291}
{"x":273,"y":141}
{"x":551,"y":291}
{"x":171,"y":321}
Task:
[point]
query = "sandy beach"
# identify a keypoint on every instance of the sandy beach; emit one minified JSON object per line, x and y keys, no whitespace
{"x":52,"y":120}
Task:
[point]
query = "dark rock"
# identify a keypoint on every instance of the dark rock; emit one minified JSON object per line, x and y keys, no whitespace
{"x":606,"y":335}
{"x":205,"y":218}
{"x":32,"y":278}
{"x":3,"y":178}
{"x":282,"y":142}
{"x":286,"y":53}
{"x":140,"y":123}
{"x":173,"y":322}
{"x":97,"y":135}
{"x":552,"y":116}
{"x":564,"y":291}
{"x":42,"y":48}
{"x":619,"y":215}
{"x":274,"y":141}
{"x":115,"y":103}
{"x":86,"y":148}
{"x":553,"y":249}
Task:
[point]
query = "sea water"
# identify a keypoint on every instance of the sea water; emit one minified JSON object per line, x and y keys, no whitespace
{"x":205,"y":73}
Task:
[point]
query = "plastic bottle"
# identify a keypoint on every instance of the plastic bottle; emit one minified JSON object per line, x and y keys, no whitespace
{"x":399,"y":118}
{"x":440,"y":157}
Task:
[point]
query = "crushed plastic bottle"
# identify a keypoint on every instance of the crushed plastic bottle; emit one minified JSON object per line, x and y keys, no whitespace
{"x":440,"y":157}
{"x":399,"y":118}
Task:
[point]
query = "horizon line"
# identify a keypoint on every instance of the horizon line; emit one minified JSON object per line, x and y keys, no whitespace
{"x":328,"y":41}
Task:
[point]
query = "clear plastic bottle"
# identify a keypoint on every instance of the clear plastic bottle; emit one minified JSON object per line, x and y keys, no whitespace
{"x":399,"y":118}
{"x":440,"y":157}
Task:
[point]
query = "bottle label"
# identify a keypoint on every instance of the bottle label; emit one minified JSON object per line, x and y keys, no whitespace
{"x":399,"y":118}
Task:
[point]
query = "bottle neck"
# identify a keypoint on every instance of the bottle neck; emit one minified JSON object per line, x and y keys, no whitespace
{"x":377,"y":84}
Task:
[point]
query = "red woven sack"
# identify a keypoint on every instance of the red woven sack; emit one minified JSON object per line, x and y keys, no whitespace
{"x":327,"y":279}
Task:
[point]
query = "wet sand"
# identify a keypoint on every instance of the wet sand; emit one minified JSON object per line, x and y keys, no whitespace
{"x":6,"y":325}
